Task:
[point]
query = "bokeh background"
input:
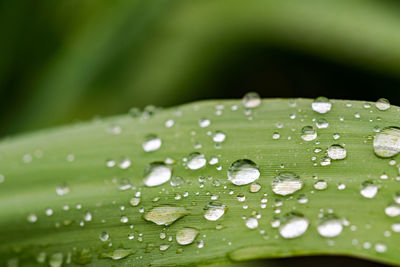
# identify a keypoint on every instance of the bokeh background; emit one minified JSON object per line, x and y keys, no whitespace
{"x":71,"y":60}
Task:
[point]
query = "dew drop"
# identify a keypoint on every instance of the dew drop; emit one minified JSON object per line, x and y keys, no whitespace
{"x":219,"y":137}
{"x":252,"y":223}
{"x":276,"y":136}
{"x":321,"y":105}
{"x":368,"y":189}
{"x":196,"y":161}
{"x":321,"y":185}
{"x":62,"y":190}
{"x":56,"y":260}
{"x":186,"y":236}
{"x":124,"y":163}
{"x":336,"y":152}
{"x":156,"y":173}
{"x":382,"y":104}
{"x":165,"y":215}
{"x":32,"y":218}
{"x":203,"y":122}
{"x":251,"y":100}
{"x":308,"y":133}
{"x":104,"y":236}
{"x":134,"y":201}
{"x":214,"y":211}
{"x":255,"y":187}
{"x":286,"y":183}
{"x":393,"y":210}
{"x":176,"y":181}
{"x":151,"y":143}
{"x":387,"y":142}
{"x":330,"y":226}
{"x":293,"y":225}
{"x":243,"y":171}
{"x":322,"y":123}
{"x":117,"y":254}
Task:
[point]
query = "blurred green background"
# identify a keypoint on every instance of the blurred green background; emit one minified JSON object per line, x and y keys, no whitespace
{"x":68,"y":60}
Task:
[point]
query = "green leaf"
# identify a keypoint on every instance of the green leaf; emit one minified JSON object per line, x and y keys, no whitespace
{"x":62,"y":202}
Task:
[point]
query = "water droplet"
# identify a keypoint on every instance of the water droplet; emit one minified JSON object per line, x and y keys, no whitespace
{"x":368,"y":189}
{"x":117,"y":254}
{"x":104,"y":236}
{"x":164,"y":247}
{"x":252,"y":223}
{"x":203,"y":123}
{"x":322,"y":123}
{"x":302,"y":199}
{"x":251,"y":100}
{"x":380,"y":248}
{"x":396,"y":227}
{"x":134,"y":201}
{"x":214,"y":211}
{"x":88,"y":216}
{"x":330,"y":226}
{"x":62,"y":190}
{"x":293,"y":225}
{"x":321,"y":185}
{"x":165,"y":215}
{"x":243,"y":171}
{"x":56,"y":260}
{"x":32,"y":218}
{"x":387,"y":142}
{"x":382,"y":104}
{"x":186,"y":236}
{"x":254,"y":187}
{"x":286,"y":183}
{"x":219,"y":137}
{"x":169,"y":123}
{"x":321,"y":105}
{"x":308,"y":133}
{"x":196,"y":161}
{"x":156,"y":173}
{"x":124,"y":219}
{"x":276,"y":136}
{"x":241,"y":197}
{"x":151,"y":143}
{"x":124,"y":163}
{"x":336,"y":152}
{"x":393,"y":210}
{"x":49,"y":212}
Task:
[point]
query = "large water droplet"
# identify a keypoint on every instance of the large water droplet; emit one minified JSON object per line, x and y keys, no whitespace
{"x":165,"y":215}
{"x":117,"y":254}
{"x":387,"y":142}
{"x":336,"y":152}
{"x":151,"y":143}
{"x":293,"y":225}
{"x":243,"y":171}
{"x":186,"y":236}
{"x":393,"y":210}
{"x":196,"y":161}
{"x":286,"y":183}
{"x":214,"y":210}
{"x":251,"y":100}
{"x":330,"y":226}
{"x":252,"y":223}
{"x":382,"y":104}
{"x":308,"y":133}
{"x":368,"y":189}
{"x":321,"y":105}
{"x":156,"y":173}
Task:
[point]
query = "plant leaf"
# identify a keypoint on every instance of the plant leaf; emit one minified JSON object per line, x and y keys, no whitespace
{"x":60,"y":203}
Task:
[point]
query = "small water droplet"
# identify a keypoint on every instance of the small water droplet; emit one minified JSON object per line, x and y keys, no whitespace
{"x":308,"y":133}
{"x":393,"y":210}
{"x":56,"y":260}
{"x":276,"y":136}
{"x":321,"y":185}
{"x":186,"y":236}
{"x":255,"y":187}
{"x":151,"y":143}
{"x":117,"y":254}
{"x":380,"y":248}
{"x":243,"y":171}
{"x":337,"y":152}
{"x":214,"y":211}
{"x":387,"y":142}
{"x":251,"y":100}
{"x":330,"y":226}
{"x":104,"y":236}
{"x":219,"y":137}
{"x":125,"y":163}
{"x":368,"y":189}
{"x":203,"y":122}
{"x":176,"y":181}
{"x":62,"y":190}
{"x":165,"y":215}
{"x":196,"y":161}
{"x":321,"y":105}
{"x":32,"y":218}
{"x":134,"y":201}
{"x":156,"y":173}
{"x":382,"y":104}
{"x":293,"y":225}
{"x":322,"y":123}
{"x":252,"y":223}
{"x":286,"y":183}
